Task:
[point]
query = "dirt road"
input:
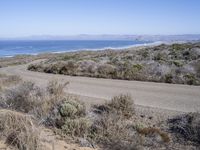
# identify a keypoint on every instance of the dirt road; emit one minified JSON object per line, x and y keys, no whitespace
{"x":183,"y":98}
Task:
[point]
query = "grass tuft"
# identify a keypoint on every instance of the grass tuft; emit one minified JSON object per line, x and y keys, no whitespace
{"x":19,"y":130}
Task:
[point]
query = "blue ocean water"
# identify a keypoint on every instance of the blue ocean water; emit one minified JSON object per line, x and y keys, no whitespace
{"x":12,"y":48}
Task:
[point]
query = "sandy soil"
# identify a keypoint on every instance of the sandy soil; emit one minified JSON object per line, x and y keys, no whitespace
{"x":51,"y":142}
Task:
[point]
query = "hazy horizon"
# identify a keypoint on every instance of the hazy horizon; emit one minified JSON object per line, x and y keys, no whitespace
{"x":152,"y":38}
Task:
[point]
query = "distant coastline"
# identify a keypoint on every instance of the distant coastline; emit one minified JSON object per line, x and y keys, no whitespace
{"x":136,"y":43}
{"x":13,"y":48}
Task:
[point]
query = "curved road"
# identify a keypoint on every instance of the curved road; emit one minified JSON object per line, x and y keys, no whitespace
{"x":182,"y":98}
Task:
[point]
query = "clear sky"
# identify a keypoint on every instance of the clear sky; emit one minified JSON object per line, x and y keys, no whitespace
{"x":71,"y":17}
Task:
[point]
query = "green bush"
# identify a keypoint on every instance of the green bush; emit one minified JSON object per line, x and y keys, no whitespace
{"x":67,"y":110}
{"x":72,"y":109}
{"x":76,"y":127}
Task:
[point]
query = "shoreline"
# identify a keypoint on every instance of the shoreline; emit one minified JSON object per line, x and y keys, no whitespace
{"x":144,"y":45}
{"x":95,"y":49}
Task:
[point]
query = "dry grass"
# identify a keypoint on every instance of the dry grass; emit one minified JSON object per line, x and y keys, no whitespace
{"x":56,"y":88}
{"x":19,"y":130}
{"x":24,"y":97}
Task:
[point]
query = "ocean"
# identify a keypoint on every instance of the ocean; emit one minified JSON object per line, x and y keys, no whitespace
{"x":12,"y":48}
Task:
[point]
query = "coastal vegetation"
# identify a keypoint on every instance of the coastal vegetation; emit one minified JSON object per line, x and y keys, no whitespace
{"x":175,"y":63}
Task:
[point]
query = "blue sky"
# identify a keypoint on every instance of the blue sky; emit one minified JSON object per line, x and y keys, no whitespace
{"x":72,"y":17}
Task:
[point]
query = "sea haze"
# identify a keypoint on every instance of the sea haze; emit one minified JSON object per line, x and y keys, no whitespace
{"x":12,"y":48}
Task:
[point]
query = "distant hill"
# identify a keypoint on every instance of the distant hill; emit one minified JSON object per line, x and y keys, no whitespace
{"x":166,"y":38}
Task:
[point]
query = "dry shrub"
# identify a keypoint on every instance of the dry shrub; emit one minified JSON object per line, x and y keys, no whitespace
{"x":36,"y":67}
{"x":111,"y":126}
{"x":106,"y":71}
{"x":76,"y":127}
{"x":87,"y":67}
{"x":68,"y":68}
{"x":24,"y":97}
{"x":150,"y":131}
{"x":186,"y":126}
{"x":115,"y":126}
{"x":56,"y":88}
{"x":19,"y":130}
{"x":53,"y":68}
{"x":53,"y":96}
{"x":42,"y":110}
{"x":123,"y":104}
{"x":28,"y":98}
{"x":114,"y":133}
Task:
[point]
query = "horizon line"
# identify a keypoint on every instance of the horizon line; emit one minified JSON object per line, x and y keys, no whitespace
{"x":75,"y":35}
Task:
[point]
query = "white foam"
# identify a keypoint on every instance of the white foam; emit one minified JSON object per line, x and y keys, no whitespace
{"x":92,"y":49}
